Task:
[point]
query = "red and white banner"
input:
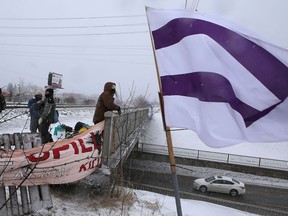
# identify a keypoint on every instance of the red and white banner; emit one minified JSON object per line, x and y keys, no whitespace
{"x":53,"y":163}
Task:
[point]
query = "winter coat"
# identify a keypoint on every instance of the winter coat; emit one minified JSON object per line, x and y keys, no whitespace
{"x":2,"y":103}
{"x":105,"y":103}
{"x":35,"y":108}
{"x":49,"y":110}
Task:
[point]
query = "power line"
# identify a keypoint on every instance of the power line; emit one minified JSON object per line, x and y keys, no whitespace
{"x":71,"y":27}
{"x":70,"y":35}
{"x":73,"y":46}
{"x":13,"y":71}
{"x":98,"y":60}
{"x":70,"y":18}
{"x":80,"y":54}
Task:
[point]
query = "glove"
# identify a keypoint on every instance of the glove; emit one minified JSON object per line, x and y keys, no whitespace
{"x":119,"y":111}
{"x":40,"y":121}
{"x":40,"y":102}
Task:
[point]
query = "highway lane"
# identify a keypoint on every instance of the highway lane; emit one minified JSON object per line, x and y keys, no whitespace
{"x":262,"y":196}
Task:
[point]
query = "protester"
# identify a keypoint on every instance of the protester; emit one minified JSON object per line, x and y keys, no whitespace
{"x":35,"y":105}
{"x":106,"y":102}
{"x":47,"y":116}
{"x":2,"y":101}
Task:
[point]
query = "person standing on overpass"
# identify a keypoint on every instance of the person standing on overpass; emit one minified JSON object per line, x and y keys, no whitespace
{"x":106,"y":102}
{"x":35,"y":105}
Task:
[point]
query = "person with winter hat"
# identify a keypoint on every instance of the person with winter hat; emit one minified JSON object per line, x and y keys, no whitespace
{"x":2,"y":101}
{"x":35,"y":105}
{"x":106,"y":102}
{"x":47,"y":116}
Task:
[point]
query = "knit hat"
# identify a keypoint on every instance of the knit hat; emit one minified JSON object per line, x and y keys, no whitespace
{"x":38,"y":92}
{"x":50,"y":91}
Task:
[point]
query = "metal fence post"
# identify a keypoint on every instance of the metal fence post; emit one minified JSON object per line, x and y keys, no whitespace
{"x":34,"y":195}
{"x":23,"y":189}
{"x":108,"y":136}
{"x":43,"y":189}
{"x":8,"y":141}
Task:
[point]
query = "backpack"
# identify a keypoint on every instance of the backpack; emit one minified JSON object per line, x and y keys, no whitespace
{"x":55,"y":117}
{"x":80,"y":125}
{"x":2,"y":103}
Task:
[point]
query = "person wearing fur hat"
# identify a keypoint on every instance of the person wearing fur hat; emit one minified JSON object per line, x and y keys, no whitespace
{"x":106,"y":102}
{"x":47,"y":116}
{"x":35,"y":105}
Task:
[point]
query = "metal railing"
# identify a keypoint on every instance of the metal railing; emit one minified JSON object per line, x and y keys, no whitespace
{"x":216,"y":157}
{"x":118,"y":131}
{"x":12,"y":105}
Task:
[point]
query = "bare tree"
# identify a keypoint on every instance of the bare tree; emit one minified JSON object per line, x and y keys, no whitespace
{"x":89,"y":102}
{"x":10,"y":91}
{"x":141,"y":102}
{"x":70,"y":100}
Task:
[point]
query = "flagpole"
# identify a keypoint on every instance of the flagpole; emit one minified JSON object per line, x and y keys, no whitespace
{"x":171,"y":155}
{"x":168,"y":135}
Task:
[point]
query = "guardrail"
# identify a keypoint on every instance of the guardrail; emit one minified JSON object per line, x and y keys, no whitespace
{"x":216,"y":157}
{"x":25,"y":105}
{"x":118,"y":134}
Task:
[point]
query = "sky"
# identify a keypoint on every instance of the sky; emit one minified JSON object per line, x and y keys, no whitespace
{"x":91,"y":42}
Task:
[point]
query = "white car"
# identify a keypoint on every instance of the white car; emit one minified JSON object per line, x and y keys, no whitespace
{"x":221,"y":184}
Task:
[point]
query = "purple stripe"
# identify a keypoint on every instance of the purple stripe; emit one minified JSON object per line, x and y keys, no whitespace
{"x":263,"y":65}
{"x":210,"y":87}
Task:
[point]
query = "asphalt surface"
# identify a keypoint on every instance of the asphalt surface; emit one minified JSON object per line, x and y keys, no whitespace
{"x":261,"y":196}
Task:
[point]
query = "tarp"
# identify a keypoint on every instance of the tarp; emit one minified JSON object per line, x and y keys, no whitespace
{"x":58,"y":162}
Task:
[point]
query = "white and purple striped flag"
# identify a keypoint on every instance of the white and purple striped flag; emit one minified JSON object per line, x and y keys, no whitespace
{"x":227,"y":85}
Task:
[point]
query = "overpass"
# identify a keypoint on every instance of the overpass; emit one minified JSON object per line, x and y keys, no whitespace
{"x":121,"y":134}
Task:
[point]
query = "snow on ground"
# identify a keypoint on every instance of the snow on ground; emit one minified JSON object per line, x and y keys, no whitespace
{"x":143,"y":202}
{"x":189,"y":139}
{"x":136,"y":203}
{"x":68,"y":116}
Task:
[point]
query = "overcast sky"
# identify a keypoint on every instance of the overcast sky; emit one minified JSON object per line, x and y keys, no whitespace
{"x":91,"y":42}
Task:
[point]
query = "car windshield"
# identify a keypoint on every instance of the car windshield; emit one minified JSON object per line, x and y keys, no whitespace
{"x":235,"y":181}
{"x":210,"y":179}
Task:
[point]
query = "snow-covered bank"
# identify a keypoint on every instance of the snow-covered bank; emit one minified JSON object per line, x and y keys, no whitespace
{"x":136,"y":203}
{"x":189,"y":139}
{"x":200,"y":172}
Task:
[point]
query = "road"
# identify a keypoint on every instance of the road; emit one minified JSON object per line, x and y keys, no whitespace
{"x":264,"y":197}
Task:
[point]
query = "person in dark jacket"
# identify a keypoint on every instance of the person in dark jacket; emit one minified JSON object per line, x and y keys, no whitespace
{"x":106,"y":102}
{"x":47,"y":116}
{"x":2,"y":101}
{"x":35,"y":105}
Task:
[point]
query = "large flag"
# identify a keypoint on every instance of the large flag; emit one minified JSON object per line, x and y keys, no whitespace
{"x":223,"y":82}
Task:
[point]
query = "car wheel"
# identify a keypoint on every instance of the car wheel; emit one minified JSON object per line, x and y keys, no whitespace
{"x":203,"y":189}
{"x":233,"y":193}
